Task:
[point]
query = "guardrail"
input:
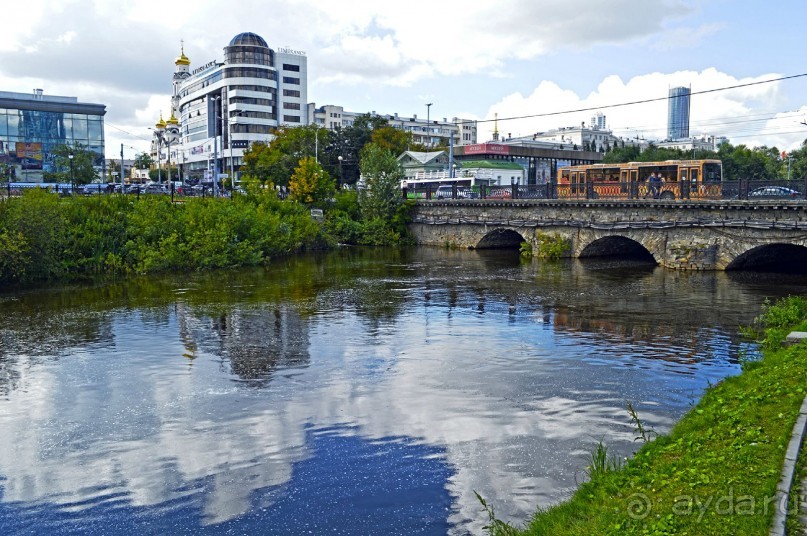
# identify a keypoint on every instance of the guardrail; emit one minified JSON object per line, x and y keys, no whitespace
{"x":781,"y":190}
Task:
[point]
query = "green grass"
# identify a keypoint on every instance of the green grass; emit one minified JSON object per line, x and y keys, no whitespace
{"x":716,"y":472}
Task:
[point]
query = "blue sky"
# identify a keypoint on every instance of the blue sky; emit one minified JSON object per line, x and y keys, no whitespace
{"x":470,"y":59}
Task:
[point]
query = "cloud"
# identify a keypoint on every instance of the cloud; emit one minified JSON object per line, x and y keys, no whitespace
{"x":722,"y":113}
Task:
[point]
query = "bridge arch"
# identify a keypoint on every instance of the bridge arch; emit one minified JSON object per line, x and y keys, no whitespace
{"x":617,"y":246}
{"x":776,"y":257}
{"x":500,"y":239}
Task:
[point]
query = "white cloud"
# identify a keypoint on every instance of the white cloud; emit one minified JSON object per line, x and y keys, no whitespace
{"x":714,"y":113}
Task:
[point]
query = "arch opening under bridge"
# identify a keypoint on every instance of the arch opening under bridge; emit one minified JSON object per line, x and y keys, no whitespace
{"x":779,"y":258}
{"x":618,"y":246}
{"x":500,"y":239}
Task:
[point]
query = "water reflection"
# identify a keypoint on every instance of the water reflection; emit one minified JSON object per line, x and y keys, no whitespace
{"x":226,"y":401}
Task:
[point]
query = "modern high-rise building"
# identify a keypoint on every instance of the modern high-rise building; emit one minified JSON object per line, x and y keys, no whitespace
{"x":221,"y":107}
{"x":32,"y":125}
{"x":678,"y":113}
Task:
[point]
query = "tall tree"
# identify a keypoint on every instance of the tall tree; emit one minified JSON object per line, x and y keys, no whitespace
{"x":310,"y":183}
{"x":381,"y":196}
{"x":143,"y":161}
{"x":275,"y":163}
{"x":81,"y":171}
{"x":393,"y":139}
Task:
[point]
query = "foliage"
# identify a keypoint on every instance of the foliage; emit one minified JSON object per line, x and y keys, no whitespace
{"x":274,"y":163}
{"x":344,"y":224}
{"x":525,"y":249}
{"x":392,"y":139}
{"x":774,"y":323}
{"x":600,"y":462}
{"x":310,"y":183}
{"x":143,"y":161}
{"x":80,"y":171}
{"x":718,"y":469}
{"x":161,"y":174}
{"x":495,"y":526}
{"x":43,"y":237}
{"x":550,"y":246}
{"x":381,"y":196}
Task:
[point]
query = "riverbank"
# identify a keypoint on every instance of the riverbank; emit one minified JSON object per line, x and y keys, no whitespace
{"x":716,"y":472}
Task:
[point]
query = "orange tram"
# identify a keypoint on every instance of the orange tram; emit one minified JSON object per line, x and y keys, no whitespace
{"x":679,"y":179}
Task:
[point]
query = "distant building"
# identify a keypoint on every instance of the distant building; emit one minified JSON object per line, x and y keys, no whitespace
{"x":595,"y":137}
{"x":32,"y":125}
{"x":219,"y":108}
{"x":431,"y":133}
{"x":705,"y":143}
{"x":678,"y":113}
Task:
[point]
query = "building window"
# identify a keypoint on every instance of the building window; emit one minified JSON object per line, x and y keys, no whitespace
{"x":291,"y":105}
{"x":291,"y":118}
{"x":291,"y":80}
{"x":287,"y":67}
{"x":291,"y":92}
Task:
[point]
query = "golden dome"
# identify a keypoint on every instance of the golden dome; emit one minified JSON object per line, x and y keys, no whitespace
{"x":182,"y":59}
{"x":161,"y":123}
{"x":173,"y":120}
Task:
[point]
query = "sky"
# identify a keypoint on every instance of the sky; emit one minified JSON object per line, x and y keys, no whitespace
{"x":557,"y":62}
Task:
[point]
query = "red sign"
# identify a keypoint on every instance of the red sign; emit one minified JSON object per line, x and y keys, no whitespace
{"x":486,"y":148}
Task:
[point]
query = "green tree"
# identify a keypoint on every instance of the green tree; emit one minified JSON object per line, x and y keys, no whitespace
{"x":393,"y":139}
{"x":143,"y":161}
{"x":381,"y":197}
{"x":273,"y":164}
{"x":310,"y":183}
{"x":81,"y":171}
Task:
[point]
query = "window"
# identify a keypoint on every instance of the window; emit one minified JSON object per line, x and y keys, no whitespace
{"x":287,"y":67}
{"x":291,"y":80}
{"x":291,"y":105}
{"x":291,"y":92}
{"x":291,"y":118}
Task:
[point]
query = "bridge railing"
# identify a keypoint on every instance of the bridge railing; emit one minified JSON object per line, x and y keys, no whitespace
{"x":667,"y":191}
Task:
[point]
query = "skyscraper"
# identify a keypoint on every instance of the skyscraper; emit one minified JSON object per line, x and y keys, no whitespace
{"x":678,"y":113}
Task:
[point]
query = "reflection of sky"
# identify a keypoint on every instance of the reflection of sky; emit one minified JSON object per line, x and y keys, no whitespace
{"x":397,"y":420}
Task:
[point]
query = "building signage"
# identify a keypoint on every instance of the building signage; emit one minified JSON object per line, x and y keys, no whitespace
{"x":204,"y":67}
{"x":291,"y":51}
{"x":240,"y":144}
{"x":486,"y":148}
{"x":199,"y":149}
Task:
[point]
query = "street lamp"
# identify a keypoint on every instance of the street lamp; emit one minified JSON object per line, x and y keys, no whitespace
{"x":428,"y":125}
{"x":340,"y":171}
{"x":72,"y":175}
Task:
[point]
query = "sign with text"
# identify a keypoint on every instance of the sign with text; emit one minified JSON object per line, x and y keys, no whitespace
{"x":486,"y":148}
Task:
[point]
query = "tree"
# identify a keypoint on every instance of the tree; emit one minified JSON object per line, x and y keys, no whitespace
{"x":382,"y":174}
{"x":143,"y":161}
{"x":80,"y":171}
{"x":393,"y":139}
{"x":310,"y":183}
{"x":274,"y":163}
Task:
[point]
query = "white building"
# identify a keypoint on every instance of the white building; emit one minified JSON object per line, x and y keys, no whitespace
{"x":704,"y":143}
{"x":431,"y":132}
{"x":219,"y":108}
{"x":594,"y":137}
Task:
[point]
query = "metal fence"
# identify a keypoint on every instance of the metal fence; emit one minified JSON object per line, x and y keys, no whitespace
{"x":780,"y":190}
{"x":11,"y":189}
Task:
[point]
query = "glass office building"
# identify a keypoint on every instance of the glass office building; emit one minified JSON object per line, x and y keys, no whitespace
{"x":33,"y":125}
{"x":678,"y":113}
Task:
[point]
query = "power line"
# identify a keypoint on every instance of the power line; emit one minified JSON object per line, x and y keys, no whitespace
{"x":591,"y":109}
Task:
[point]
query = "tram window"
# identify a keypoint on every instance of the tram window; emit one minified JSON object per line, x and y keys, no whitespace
{"x":694,"y":175}
{"x":683,"y":174}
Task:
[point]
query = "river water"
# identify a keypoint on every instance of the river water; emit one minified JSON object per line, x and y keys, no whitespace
{"x":353,"y":392}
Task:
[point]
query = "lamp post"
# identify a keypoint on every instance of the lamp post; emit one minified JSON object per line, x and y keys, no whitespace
{"x":339,"y":185}
{"x":428,"y":123}
{"x":72,"y":175}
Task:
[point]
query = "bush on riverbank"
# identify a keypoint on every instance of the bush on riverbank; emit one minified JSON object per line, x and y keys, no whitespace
{"x":44,"y":237}
{"x":717,"y":470}
{"x":345,"y":224}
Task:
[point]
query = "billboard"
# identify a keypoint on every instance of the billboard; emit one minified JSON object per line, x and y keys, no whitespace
{"x":486,"y":148}
{"x":30,"y":155}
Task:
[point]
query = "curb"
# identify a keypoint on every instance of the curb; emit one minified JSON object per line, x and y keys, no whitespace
{"x":788,"y":472}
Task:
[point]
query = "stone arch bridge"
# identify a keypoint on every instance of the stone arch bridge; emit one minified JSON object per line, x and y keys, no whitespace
{"x":696,"y":235}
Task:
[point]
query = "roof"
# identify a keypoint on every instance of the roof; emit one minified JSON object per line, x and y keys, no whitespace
{"x":489,"y":164}
{"x":248,"y":39}
{"x":422,"y":157}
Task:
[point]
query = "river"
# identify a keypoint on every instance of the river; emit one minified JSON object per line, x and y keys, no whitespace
{"x":361,"y":391}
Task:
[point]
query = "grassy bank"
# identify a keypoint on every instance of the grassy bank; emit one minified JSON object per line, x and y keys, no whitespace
{"x":717,"y":470}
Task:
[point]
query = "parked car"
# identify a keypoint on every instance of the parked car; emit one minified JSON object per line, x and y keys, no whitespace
{"x":774,"y":192}
{"x":445,"y":191}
